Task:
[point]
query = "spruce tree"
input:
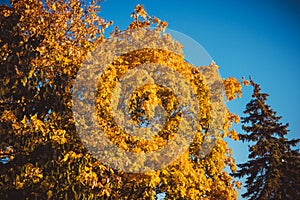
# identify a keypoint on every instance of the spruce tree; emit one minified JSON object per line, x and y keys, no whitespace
{"x":273,"y":165}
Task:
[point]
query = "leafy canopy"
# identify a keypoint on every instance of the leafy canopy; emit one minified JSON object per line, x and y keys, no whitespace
{"x":42,"y":48}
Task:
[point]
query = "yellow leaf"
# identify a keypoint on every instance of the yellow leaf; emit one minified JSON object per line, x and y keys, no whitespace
{"x":31,"y":72}
{"x":54,"y":7}
{"x":49,"y":194}
{"x":24,"y":81}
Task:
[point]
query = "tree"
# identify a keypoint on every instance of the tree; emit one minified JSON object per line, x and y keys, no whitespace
{"x":272,"y":170}
{"x":43,"y":45}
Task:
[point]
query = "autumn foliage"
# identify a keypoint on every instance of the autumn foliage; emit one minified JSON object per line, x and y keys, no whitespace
{"x":43,"y":45}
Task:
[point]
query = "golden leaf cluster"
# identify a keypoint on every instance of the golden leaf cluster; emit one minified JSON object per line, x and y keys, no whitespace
{"x":42,"y":49}
{"x":233,"y":88}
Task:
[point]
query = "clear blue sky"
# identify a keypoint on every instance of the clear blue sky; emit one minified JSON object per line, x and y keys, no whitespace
{"x":260,"y":38}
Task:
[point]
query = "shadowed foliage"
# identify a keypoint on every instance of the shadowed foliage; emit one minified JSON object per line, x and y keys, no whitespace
{"x":43,"y":44}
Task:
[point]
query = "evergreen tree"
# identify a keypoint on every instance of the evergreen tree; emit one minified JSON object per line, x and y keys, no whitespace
{"x":273,"y":165}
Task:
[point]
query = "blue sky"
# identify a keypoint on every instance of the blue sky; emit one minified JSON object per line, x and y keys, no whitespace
{"x":260,"y":38}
